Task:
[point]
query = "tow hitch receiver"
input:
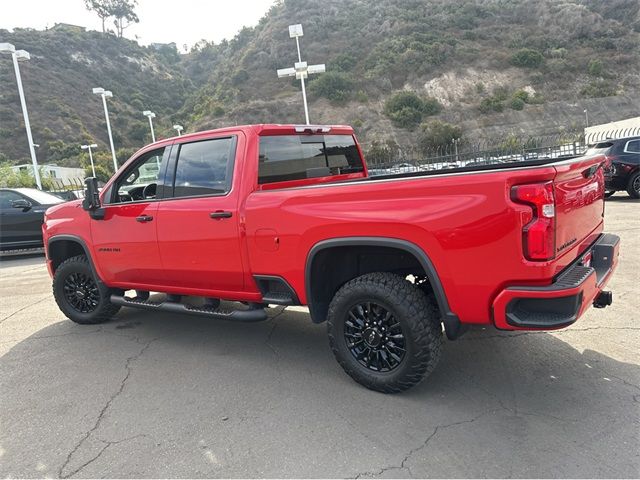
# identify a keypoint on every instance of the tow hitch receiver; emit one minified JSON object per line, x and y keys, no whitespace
{"x":604,"y":299}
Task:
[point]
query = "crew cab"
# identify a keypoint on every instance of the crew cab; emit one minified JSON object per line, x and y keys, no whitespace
{"x":264,"y":215}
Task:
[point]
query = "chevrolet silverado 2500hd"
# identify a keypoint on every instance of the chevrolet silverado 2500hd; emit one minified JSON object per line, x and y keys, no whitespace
{"x":287,"y":215}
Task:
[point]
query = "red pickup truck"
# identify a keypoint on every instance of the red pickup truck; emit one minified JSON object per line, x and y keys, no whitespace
{"x":287,"y":215}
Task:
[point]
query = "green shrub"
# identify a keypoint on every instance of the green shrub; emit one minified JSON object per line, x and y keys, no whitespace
{"x":343,"y":62}
{"x":595,"y":68}
{"x":406,"y":109}
{"x":335,"y":86}
{"x":522,"y":95}
{"x":239,"y":77}
{"x":382,"y":152}
{"x":406,"y":117}
{"x":431,"y":106}
{"x":599,"y":88}
{"x":491,"y":104}
{"x":517,"y":103}
{"x":361,"y":96}
{"x":527,"y":58}
{"x":437,"y":134}
{"x":537,"y":99}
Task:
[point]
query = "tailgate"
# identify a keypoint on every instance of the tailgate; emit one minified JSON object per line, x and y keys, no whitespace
{"x":579,"y":192}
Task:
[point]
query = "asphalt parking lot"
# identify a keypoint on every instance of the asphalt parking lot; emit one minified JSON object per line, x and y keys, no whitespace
{"x":160,"y":395}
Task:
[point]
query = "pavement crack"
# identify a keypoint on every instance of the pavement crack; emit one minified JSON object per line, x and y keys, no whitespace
{"x":88,"y":462}
{"x":102,"y":413}
{"x":25,"y":307}
{"x":100,"y":452}
{"x":423,"y":445}
{"x":273,"y":328}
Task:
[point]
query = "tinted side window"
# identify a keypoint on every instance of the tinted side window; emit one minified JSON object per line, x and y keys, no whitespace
{"x":204,"y":168}
{"x":140,"y":181}
{"x":633,"y":146}
{"x":6,"y":197}
{"x":294,"y":157}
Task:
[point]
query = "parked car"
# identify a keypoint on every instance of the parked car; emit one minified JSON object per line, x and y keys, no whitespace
{"x":623,"y":172}
{"x":67,"y":195}
{"x":21,"y":216}
{"x":288,"y":215}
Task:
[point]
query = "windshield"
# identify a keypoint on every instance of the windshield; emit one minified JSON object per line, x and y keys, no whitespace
{"x":43,"y":198}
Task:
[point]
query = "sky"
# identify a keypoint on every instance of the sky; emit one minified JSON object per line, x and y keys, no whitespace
{"x":162,"y":21}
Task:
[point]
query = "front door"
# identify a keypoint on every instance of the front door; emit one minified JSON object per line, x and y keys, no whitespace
{"x":198,"y":229}
{"x":125,"y":241}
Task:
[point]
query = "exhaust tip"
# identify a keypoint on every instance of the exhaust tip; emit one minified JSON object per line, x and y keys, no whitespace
{"x":604,"y":299}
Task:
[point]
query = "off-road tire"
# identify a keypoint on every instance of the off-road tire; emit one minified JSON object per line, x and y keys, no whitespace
{"x":632,"y":186}
{"x":104,"y":309}
{"x":419,"y":318}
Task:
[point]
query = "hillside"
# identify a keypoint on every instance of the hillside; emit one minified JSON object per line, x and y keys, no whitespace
{"x":493,"y":66}
{"x":65,"y":65}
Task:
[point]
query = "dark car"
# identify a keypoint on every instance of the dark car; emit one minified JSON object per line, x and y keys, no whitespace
{"x":623,"y":173}
{"x":21,"y":216}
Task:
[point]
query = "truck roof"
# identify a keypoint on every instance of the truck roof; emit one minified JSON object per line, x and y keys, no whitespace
{"x":262,"y":129}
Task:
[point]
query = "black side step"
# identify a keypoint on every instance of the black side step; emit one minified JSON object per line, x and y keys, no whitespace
{"x":251,"y":315}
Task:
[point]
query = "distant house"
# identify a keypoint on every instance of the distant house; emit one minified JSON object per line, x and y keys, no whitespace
{"x":68,"y":26}
{"x":64,"y":175}
{"x":619,"y":129}
{"x":160,"y":46}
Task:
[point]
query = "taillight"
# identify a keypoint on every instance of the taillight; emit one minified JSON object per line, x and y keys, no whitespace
{"x":539,"y":235}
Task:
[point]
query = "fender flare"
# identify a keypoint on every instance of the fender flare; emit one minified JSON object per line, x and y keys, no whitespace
{"x":82,"y":243}
{"x":452,"y":325}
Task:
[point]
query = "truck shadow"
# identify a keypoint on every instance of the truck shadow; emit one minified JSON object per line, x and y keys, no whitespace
{"x":537,"y":377}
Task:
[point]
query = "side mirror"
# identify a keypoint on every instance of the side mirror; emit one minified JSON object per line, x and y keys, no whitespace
{"x":22,"y":204}
{"x":91,"y":202}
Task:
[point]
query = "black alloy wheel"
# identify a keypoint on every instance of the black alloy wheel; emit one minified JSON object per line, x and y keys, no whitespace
{"x":81,"y":292}
{"x":374,"y":337}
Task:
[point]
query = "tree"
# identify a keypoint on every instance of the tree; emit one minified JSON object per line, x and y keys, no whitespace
{"x":122,"y":11}
{"x":102,"y":9}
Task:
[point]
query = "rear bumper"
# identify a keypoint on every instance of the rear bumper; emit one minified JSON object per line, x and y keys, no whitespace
{"x":566,"y":299}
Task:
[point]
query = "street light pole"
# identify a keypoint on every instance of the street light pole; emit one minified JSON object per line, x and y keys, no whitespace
{"x":104,"y":94}
{"x":586,"y":116}
{"x":179,"y":129}
{"x":301,"y":70}
{"x":149,"y":114}
{"x":89,"y":147}
{"x":304,"y":90}
{"x":17,"y":55}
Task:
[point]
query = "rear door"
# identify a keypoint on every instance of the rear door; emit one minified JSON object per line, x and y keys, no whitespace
{"x":198,"y":227}
{"x":579,"y":192}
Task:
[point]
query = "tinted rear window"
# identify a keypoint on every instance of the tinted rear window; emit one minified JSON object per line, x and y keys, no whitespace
{"x":295,"y":157}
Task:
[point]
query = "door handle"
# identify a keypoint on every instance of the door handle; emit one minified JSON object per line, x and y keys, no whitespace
{"x":144,"y":218}
{"x":218,"y":214}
